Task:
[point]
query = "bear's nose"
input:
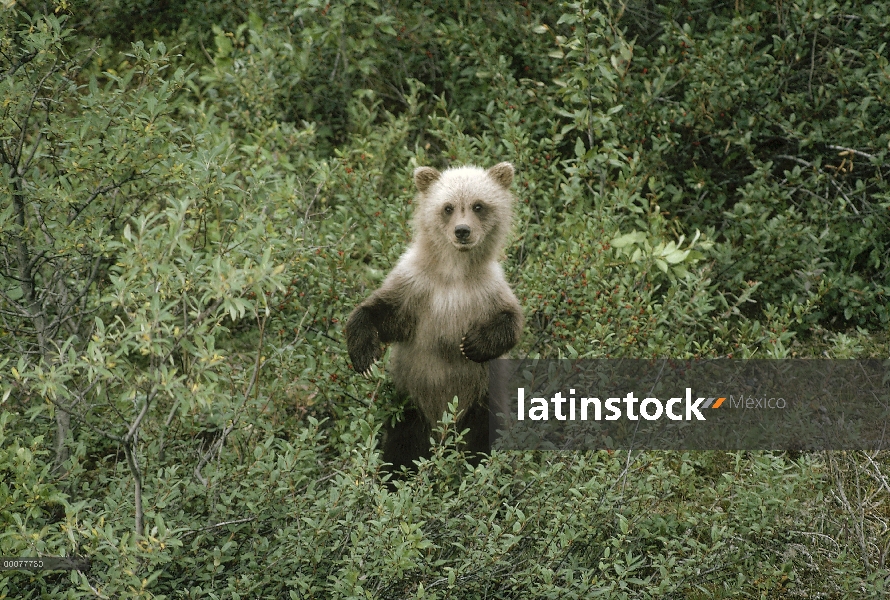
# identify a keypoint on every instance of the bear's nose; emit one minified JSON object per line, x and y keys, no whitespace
{"x":462,"y":232}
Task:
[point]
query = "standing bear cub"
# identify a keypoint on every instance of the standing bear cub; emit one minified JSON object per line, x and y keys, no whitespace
{"x":446,"y":308}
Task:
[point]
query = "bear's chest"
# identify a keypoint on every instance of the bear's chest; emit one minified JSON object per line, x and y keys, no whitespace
{"x":454,"y":303}
{"x":446,"y":304}
{"x":447,"y":313}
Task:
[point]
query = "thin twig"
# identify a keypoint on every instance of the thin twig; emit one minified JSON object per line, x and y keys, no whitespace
{"x":812,"y":64}
{"x":130,"y":453}
{"x":830,"y":177}
{"x":878,"y":475}
{"x":223,"y":524}
{"x":853,"y":150}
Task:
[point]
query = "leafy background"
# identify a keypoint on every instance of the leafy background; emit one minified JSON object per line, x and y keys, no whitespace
{"x":195,"y":194}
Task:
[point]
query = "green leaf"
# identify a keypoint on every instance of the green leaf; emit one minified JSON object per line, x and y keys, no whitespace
{"x":676,"y":256}
{"x":634,"y":237}
{"x":579,"y":148}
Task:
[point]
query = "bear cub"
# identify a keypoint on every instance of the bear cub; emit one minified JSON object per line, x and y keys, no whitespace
{"x":446,"y":308}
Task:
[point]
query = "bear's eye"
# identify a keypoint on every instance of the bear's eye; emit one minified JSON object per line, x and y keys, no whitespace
{"x":478,"y":207}
{"x":449,"y":209}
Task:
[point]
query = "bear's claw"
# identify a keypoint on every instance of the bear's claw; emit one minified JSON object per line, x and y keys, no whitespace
{"x":470,"y":351}
{"x":367,"y":371}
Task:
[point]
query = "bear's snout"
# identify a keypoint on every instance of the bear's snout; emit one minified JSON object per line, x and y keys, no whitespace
{"x":462,"y":233}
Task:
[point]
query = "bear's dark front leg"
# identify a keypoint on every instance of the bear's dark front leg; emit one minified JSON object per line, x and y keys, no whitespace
{"x":492,"y":339}
{"x":378,"y":320}
{"x":362,"y":340}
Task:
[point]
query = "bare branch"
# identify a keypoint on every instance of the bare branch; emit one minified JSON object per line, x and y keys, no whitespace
{"x":24,"y":126}
{"x":83,"y":420}
{"x":98,"y":192}
{"x":852,"y":150}
{"x":22,"y":62}
{"x":130,"y":453}
{"x":134,"y":426}
{"x":223,"y":524}
{"x":830,"y":177}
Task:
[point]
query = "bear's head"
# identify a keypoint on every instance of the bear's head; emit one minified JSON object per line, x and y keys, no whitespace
{"x":467,"y":210}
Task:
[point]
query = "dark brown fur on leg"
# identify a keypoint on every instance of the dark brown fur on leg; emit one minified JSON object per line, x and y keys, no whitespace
{"x":406,"y":441}
{"x":409,"y":439}
{"x":477,"y":441}
{"x":362,"y":340}
{"x":378,"y":320}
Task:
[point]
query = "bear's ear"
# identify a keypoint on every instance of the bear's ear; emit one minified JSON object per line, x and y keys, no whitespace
{"x":502,"y":173}
{"x":424,"y":177}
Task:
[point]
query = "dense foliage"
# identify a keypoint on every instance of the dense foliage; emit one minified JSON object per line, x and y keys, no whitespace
{"x":195,"y":194}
